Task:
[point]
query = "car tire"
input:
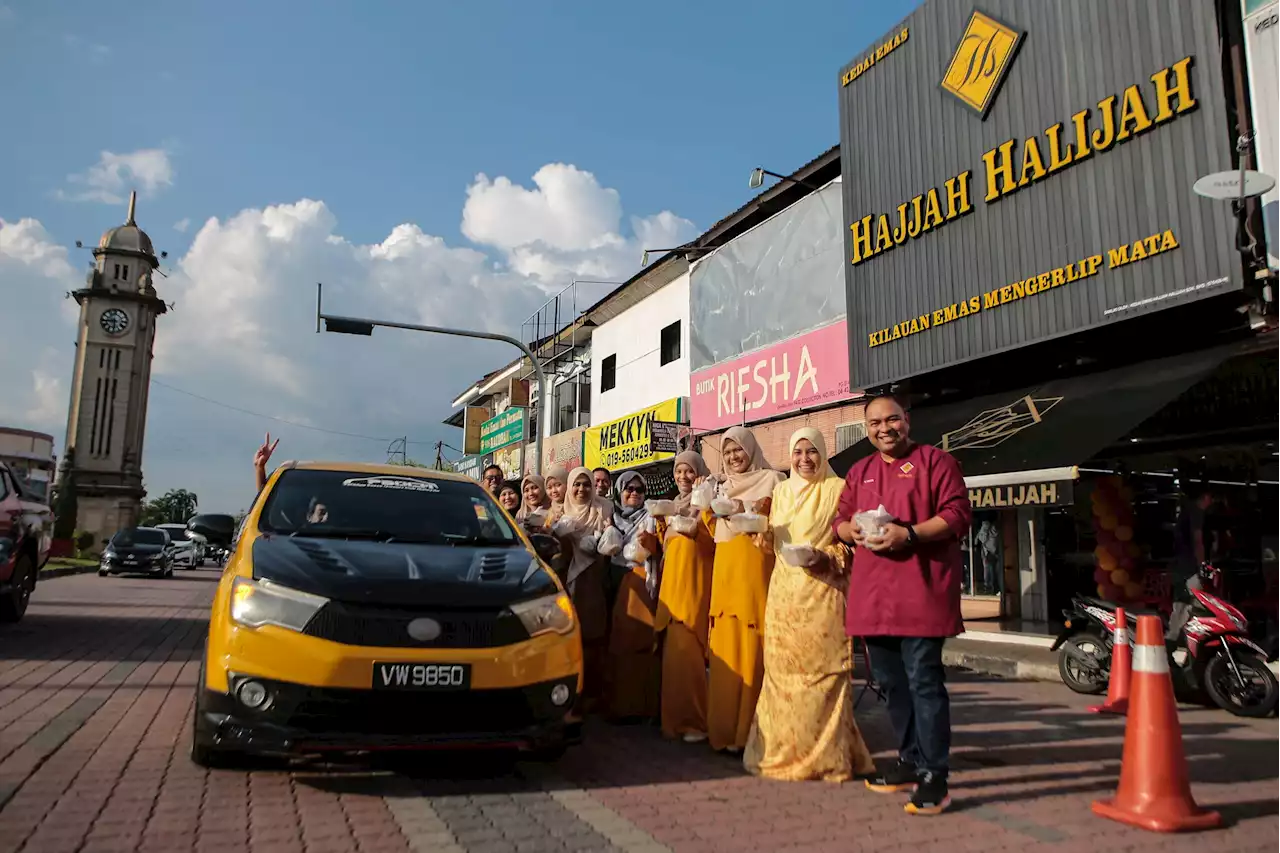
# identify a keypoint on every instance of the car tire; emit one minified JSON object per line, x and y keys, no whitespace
{"x":13,"y":604}
{"x":549,"y":754}
{"x":102,"y":573}
{"x":203,"y":755}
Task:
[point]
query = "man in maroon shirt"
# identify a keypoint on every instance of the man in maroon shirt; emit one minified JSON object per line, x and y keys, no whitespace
{"x":904,"y":592}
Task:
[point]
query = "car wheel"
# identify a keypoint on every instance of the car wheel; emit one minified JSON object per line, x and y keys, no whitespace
{"x":168,"y":572}
{"x":14,"y":603}
{"x":548,"y":754}
{"x":102,"y":573}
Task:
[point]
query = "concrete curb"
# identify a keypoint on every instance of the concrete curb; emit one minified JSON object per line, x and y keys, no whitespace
{"x":1003,"y":661}
{"x":64,"y":571}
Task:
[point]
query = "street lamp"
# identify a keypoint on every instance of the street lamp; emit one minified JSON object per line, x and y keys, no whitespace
{"x":362,"y":326}
{"x":757,"y":179}
{"x":686,"y":250}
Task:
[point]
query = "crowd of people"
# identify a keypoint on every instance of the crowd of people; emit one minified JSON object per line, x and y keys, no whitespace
{"x":729,"y":613}
{"x":734,"y":622}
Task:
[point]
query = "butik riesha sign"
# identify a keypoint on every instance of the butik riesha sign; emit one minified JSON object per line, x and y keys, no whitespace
{"x":801,"y":372}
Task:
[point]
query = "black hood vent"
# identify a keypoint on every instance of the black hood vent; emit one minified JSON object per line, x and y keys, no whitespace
{"x":493,"y":567}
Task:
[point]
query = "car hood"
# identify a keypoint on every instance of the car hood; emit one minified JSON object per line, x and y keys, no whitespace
{"x":396,"y":573}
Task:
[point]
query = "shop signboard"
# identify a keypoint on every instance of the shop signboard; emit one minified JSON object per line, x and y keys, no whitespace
{"x":626,"y":442}
{"x":1027,"y":175}
{"x":468,"y":466}
{"x":509,"y":459}
{"x":505,"y":429}
{"x":801,"y":372}
{"x":563,"y":448}
{"x":664,"y":436}
{"x":1046,"y":493}
{"x":1261,"y":44}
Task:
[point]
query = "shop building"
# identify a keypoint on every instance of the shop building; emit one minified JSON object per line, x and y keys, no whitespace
{"x":29,"y":456}
{"x":1027,"y":264}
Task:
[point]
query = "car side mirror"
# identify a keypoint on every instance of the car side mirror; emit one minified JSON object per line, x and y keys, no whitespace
{"x":546,"y":547}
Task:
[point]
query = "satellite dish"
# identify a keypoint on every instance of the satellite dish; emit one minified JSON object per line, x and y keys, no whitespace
{"x":1227,"y":186}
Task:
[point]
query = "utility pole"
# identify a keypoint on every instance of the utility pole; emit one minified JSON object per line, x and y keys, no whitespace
{"x":439,"y":455}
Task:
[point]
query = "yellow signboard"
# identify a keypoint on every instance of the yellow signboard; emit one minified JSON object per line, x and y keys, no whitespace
{"x":981,"y":61}
{"x":624,"y":443}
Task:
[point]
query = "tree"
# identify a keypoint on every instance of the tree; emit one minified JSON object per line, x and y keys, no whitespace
{"x":175,"y":506}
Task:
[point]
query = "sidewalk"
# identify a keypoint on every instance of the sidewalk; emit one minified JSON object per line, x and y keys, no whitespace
{"x":1007,"y":659}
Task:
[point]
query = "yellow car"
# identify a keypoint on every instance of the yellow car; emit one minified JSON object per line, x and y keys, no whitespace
{"x":376,"y":607}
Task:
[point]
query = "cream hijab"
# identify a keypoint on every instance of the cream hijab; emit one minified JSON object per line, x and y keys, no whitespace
{"x":525,"y":508}
{"x":595,"y":513}
{"x":756,"y":483}
{"x":560,"y":474}
{"x":695,"y":461}
{"x":798,"y":481}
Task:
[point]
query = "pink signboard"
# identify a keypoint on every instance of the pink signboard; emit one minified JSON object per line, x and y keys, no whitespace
{"x":801,"y":372}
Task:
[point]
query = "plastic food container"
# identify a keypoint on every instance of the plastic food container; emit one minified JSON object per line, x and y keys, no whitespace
{"x":683,"y":525}
{"x":868,"y":523}
{"x":660,"y":508}
{"x":702,"y":495}
{"x":749,"y":522}
{"x":797,"y":555}
{"x":724,"y":507}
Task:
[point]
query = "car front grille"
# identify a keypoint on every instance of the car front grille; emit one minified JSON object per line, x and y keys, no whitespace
{"x":385,"y":627}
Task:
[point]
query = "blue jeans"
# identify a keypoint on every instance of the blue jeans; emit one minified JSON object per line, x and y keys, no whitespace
{"x":910,"y":671}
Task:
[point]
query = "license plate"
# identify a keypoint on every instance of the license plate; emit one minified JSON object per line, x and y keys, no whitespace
{"x":421,"y":676}
{"x":130,"y":560}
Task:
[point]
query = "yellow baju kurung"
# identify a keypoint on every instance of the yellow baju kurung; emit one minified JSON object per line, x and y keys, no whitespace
{"x":683,"y":617}
{"x":739,"y":588}
{"x":804,"y":726}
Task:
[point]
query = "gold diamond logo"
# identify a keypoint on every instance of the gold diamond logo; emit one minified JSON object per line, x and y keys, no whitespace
{"x":981,"y":61}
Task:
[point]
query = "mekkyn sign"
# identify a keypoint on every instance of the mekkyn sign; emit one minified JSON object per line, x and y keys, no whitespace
{"x":1048,"y":493}
{"x":506,"y":428}
{"x":808,"y":370}
{"x":627,"y":442}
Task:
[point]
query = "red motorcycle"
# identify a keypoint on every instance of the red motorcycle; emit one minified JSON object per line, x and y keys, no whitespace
{"x":1213,"y":651}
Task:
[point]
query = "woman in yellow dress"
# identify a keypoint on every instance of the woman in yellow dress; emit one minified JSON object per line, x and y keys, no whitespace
{"x":633,"y":658}
{"x":580,"y":515}
{"x":804,"y":727}
{"x":684,"y":608}
{"x":739,"y":587}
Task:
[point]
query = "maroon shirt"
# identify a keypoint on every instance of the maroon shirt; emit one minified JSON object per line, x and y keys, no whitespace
{"x":914,"y":592}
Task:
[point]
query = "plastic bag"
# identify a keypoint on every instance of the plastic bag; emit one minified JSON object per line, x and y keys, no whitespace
{"x":535,"y":519}
{"x":589,"y":542}
{"x":801,"y":556}
{"x":566,"y":527}
{"x":749,"y":522}
{"x":610,"y":542}
{"x":660,"y":508}
{"x":724,"y":507}
{"x":873,"y":522}
{"x":635,"y":552}
{"x":703,"y":494}
{"x":683,"y":525}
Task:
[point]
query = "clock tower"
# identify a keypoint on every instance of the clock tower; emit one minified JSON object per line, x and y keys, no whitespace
{"x":107,"y":418}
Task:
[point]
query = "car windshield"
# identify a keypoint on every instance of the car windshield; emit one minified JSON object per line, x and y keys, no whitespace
{"x":137,"y":536}
{"x":176,"y":532}
{"x":401,"y":507}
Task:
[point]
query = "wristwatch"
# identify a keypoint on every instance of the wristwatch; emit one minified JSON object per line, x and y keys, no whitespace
{"x":912,"y":538}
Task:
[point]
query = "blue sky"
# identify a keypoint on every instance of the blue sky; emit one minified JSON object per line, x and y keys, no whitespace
{"x":383,"y":114}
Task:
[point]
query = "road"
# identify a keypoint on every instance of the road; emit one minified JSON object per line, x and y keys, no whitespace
{"x":96,"y":693}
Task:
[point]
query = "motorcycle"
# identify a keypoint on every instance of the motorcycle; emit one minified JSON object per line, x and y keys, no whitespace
{"x":1212,"y":652}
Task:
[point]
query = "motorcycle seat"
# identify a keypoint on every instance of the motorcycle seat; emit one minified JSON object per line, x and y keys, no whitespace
{"x":1130,"y":612}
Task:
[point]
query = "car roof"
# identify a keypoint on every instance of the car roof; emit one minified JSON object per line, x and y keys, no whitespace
{"x":380,"y":469}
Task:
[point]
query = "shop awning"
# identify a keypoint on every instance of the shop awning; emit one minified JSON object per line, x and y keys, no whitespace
{"x":1055,"y":425}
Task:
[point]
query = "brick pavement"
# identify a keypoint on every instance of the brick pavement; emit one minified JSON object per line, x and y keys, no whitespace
{"x":96,"y":688}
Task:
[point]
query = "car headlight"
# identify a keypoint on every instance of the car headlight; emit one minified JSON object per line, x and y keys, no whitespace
{"x":258,"y":603}
{"x":108,"y":554}
{"x":549,"y":614}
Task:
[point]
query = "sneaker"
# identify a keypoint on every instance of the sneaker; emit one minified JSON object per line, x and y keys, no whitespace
{"x":694,"y":737}
{"x":931,"y":796}
{"x":900,"y":777}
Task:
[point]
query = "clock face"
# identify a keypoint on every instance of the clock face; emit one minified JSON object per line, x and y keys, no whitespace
{"x":114,"y":321}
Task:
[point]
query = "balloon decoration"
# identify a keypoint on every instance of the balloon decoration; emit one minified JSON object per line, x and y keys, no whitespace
{"x":1117,"y":573}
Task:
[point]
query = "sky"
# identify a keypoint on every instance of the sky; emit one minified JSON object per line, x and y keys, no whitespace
{"x":449,"y":164}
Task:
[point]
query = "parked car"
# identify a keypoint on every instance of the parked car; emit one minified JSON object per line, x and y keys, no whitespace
{"x":138,"y":550}
{"x":366,"y":608}
{"x":187,"y":552}
{"x":26,"y":526}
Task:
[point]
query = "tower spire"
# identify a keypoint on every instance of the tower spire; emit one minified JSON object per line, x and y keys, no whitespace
{"x":133,"y":204}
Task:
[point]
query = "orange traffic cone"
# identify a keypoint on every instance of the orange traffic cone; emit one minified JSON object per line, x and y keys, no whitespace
{"x":1121,"y":661}
{"x":1154,"y":791}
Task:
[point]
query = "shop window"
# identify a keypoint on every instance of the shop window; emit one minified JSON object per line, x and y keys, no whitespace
{"x":608,"y":373}
{"x":984,"y":556}
{"x":670,"y":350}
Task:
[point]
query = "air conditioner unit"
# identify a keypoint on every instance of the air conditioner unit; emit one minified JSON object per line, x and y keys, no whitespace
{"x":847,"y":435}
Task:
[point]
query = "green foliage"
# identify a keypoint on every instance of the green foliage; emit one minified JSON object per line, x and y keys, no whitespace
{"x":175,"y":506}
{"x":65,"y":510}
{"x":85,"y":542}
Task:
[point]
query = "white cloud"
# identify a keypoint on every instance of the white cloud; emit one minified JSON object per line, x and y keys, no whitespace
{"x":182,"y":225}
{"x":242,"y":330}
{"x":110,"y":179}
